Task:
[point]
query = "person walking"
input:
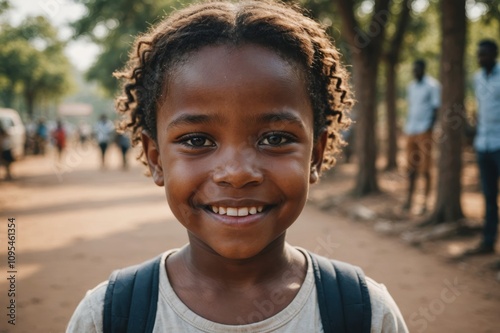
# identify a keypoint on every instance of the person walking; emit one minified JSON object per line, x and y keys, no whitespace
{"x":123,"y":142}
{"x":487,"y":140}
{"x":424,"y":99}
{"x":59,"y":137}
{"x":41,"y":137}
{"x":104,"y":130}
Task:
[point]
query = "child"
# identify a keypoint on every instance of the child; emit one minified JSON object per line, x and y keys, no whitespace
{"x":238,"y":107}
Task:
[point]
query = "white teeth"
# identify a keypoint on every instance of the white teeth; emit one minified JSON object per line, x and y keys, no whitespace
{"x":232,"y":211}
{"x":243,"y":211}
{"x":235,"y":211}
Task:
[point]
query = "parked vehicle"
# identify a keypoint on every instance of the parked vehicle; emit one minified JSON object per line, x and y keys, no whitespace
{"x":11,"y":122}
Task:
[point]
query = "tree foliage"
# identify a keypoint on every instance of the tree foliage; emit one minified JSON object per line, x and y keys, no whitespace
{"x":32,"y":63}
{"x":4,"y":5}
{"x":113,"y":25}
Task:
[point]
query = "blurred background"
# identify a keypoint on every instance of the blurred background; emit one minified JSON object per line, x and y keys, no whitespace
{"x":82,"y":213}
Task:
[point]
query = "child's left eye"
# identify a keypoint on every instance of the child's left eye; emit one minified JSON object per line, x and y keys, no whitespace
{"x":275,"y":139}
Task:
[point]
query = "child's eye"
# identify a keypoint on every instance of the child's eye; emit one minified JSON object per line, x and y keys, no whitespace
{"x":276,"y":139}
{"x":196,"y":141}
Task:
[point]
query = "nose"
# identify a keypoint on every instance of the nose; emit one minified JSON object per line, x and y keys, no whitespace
{"x":238,"y":168}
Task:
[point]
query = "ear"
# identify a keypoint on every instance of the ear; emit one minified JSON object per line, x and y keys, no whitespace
{"x":317,"y":156}
{"x":153,"y":157}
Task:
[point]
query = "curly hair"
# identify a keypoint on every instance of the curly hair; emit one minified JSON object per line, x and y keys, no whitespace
{"x":283,"y":28}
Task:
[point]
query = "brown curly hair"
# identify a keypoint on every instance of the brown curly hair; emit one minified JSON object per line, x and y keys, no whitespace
{"x":282,"y":28}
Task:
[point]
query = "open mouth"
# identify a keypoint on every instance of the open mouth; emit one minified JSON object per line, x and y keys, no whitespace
{"x":236,"y":211}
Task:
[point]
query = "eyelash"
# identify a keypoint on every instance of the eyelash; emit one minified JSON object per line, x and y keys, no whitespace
{"x":288,"y":139}
{"x":184,"y":140}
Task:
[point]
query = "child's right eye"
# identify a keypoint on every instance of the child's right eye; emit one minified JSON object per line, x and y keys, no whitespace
{"x":196,"y":141}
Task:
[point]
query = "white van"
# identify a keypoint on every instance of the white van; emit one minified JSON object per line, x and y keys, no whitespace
{"x":11,"y":122}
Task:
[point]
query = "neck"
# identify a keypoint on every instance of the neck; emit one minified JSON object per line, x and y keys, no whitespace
{"x":275,"y":259}
{"x":489,"y":68}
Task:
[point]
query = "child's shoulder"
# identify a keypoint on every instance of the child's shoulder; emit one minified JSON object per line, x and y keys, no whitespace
{"x":385,"y":312}
{"x":88,"y":315}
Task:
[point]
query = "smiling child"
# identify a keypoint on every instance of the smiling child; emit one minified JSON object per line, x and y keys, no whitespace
{"x":238,"y":108}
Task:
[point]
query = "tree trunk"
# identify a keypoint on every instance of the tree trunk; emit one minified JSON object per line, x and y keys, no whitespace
{"x":30,"y":103}
{"x":366,"y":49}
{"x":451,"y":115}
{"x":392,"y":60}
{"x":390,"y":99}
{"x":365,"y":70}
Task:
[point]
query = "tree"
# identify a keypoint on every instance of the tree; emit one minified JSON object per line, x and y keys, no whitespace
{"x":113,"y":25}
{"x":366,"y":49}
{"x":32,"y":63}
{"x":452,"y":114}
{"x":4,"y":6}
{"x":391,"y":58}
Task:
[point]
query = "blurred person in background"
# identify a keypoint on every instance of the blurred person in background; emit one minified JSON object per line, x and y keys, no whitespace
{"x":29,"y":145}
{"x":487,"y":140}
{"x":41,"y":137}
{"x":424,"y":99}
{"x":6,"y":157}
{"x":123,"y":142}
{"x":84,"y":133}
{"x":59,"y":137}
{"x":104,"y":132}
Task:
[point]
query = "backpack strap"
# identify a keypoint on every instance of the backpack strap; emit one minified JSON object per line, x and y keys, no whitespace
{"x":131,"y":298}
{"x":343,"y":298}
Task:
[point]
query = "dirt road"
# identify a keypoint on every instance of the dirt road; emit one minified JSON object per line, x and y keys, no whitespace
{"x":75,"y":224}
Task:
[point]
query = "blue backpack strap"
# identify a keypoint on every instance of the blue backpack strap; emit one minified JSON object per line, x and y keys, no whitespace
{"x":343,"y":298}
{"x":131,"y":298}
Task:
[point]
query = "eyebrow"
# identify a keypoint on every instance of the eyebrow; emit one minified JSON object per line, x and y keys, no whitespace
{"x":281,"y":116}
{"x":192,"y":119}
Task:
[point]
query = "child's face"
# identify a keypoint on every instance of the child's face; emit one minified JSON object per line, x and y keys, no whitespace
{"x":235,"y":135}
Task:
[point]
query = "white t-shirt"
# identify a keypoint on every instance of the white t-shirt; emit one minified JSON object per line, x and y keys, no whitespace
{"x":104,"y":131}
{"x":301,"y":315}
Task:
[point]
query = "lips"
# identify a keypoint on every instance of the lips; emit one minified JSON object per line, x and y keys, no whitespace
{"x":236,"y":211}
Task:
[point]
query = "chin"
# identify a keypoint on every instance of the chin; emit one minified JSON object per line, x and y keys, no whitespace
{"x":237,"y":252}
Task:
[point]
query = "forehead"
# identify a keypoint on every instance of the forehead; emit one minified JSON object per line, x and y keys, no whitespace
{"x":246,"y":78}
{"x":225,"y":63}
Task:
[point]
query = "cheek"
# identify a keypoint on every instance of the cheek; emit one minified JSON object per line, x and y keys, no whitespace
{"x":181,"y":182}
{"x":293,"y":179}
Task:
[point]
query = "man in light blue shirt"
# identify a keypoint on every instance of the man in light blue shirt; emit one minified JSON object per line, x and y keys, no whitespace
{"x":487,"y":140}
{"x":424,"y":98}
